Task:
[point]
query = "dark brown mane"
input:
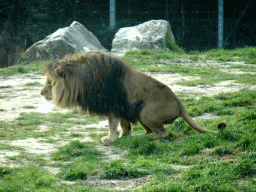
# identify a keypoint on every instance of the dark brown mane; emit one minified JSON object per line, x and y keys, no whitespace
{"x":94,"y":82}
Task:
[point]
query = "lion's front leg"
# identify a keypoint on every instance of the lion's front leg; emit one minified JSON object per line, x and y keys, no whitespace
{"x":126,"y":128}
{"x":113,"y":123}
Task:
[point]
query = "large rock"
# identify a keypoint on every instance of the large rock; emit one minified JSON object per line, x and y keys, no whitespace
{"x":69,"y":40}
{"x":153,"y":35}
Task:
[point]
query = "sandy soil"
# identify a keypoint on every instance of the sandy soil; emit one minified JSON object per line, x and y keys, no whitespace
{"x":17,"y":96}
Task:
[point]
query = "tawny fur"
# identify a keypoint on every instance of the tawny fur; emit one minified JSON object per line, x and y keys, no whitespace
{"x":103,"y":84}
{"x":92,"y":81}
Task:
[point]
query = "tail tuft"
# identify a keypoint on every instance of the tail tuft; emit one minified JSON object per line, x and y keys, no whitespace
{"x":221,"y":125}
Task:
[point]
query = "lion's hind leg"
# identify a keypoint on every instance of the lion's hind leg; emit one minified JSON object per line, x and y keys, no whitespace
{"x":147,"y":130}
{"x":113,"y":123}
{"x":154,"y":130}
{"x":126,"y":128}
{"x":158,"y":132}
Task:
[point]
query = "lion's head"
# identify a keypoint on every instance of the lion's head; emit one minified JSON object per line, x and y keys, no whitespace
{"x":93,"y":82}
{"x":61,"y":86}
{"x":47,"y":89}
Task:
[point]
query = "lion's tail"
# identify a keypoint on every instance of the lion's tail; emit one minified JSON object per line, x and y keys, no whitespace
{"x":191,"y":122}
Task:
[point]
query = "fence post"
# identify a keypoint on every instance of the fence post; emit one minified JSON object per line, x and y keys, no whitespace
{"x":112,"y":14}
{"x":220,"y":24}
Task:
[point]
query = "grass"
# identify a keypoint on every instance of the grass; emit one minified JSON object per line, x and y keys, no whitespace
{"x":28,"y":177}
{"x":185,"y":161}
{"x":28,"y":107}
{"x":209,"y":74}
{"x":247,"y":54}
{"x":228,"y":104}
{"x":76,"y":149}
{"x":35,"y":83}
{"x":35,"y":67}
{"x":26,"y":125}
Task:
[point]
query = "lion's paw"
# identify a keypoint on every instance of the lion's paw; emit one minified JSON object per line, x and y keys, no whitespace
{"x":106,"y":140}
{"x":158,"y":135}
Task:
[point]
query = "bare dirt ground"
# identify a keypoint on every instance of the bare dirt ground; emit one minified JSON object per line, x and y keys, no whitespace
{"x":17,"y":96}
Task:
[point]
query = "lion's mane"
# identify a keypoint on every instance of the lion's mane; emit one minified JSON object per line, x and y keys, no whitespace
{"x":92,"y":81}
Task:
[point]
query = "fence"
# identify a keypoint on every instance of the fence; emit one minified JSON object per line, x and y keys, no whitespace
{"x":193,"y":23}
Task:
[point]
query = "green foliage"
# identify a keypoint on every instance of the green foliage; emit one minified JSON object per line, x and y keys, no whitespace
{"x":191,"y":148}
{"x":209,"y":140}
{"x":186,"y":161}
{"x":29,"y":177}
{"x":73,"y":173}
{"x":206,"y":152}
{"x":75,"y":149}
{"x":4,"y":171}
{"x":217,"y":176}
{"x":142,"y":145}
{"x":26,"y":124}
{"x":245,"y":168}
{"x":195,"y":58}
{"x":174,"y":47}
{"x":85,"y":160}
{"x":36,"y":66}
{"x":242,"y":98}
{"x":222,"y":151}
{"x":79,"y":169}
{"x":160,"y":61}
{"x":229,"y":135}
{"x":227,"y":104}
{"x":246,"y":114}
{"x":35,"y":83}
{"x":21,"y":69}
{"x":247,"y":141}
{"x":28,"y":107}
{"x":247,"y":54}
{"x":121,"y":174}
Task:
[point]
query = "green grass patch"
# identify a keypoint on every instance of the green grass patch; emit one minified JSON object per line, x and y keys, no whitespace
{"x":247,"y":54}
{"x":212,"y":75}
{"x":86,"y":160}
{"x":27,"y":124}
{"x":36,"y":67}
{"x":76,"y":149}
{"x":175,"y":48}
{"x":141,"y":145}
{"x":35,"y":83}
{"x":121,"y":174}
{"x":240,"y":103}
{"x":216,"y":161}
{"x":185,"y":161}
{"x":28,"y":177}
{"x":161,"y":61}
{"x":146,"y":60}
{"x":28,"y":107}
{"x":222,"y":151}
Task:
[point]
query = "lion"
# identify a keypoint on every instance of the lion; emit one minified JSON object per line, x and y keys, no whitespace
{"x":103,"y":84}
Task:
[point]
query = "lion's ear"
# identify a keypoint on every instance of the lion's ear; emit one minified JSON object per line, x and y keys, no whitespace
{"x":60,"y":72}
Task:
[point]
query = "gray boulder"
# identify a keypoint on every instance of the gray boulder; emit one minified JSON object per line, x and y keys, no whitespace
{"x":152,"y":35}
{"x":69,"y":40}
